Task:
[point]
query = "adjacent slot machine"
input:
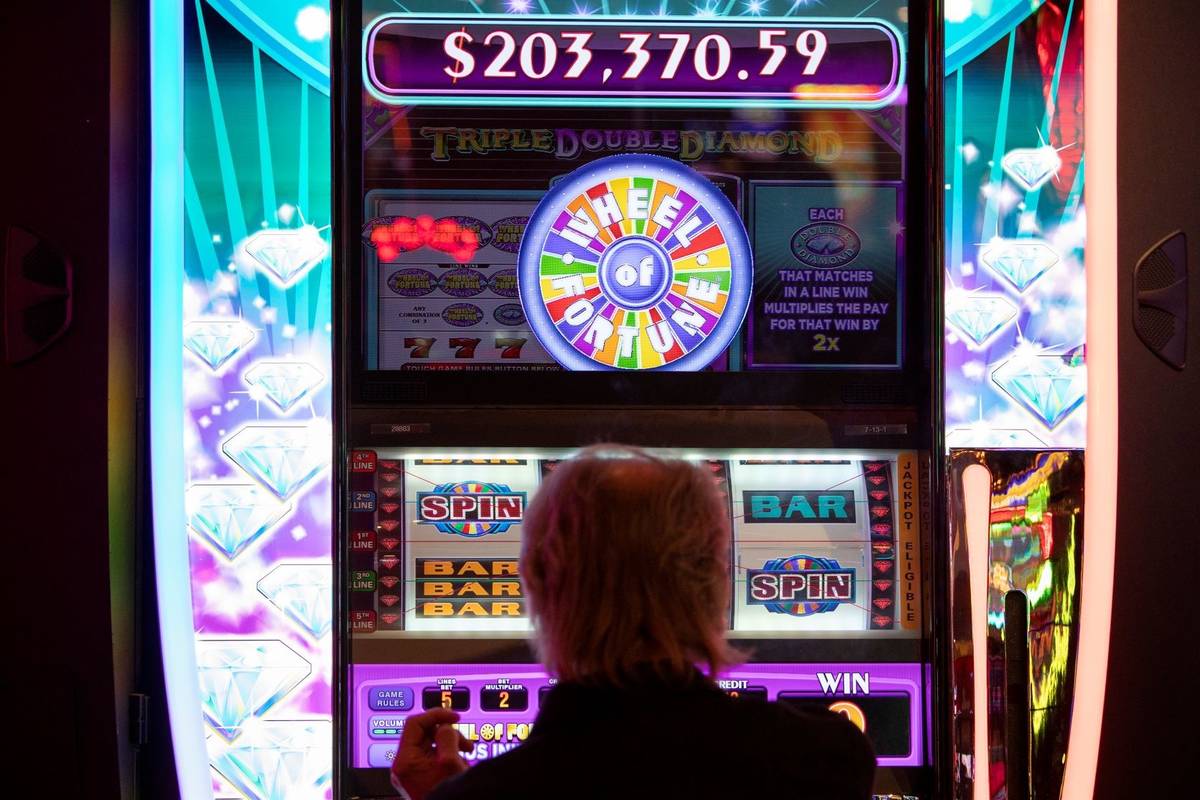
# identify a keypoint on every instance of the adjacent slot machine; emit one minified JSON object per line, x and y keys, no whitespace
{"x":717,"y":239}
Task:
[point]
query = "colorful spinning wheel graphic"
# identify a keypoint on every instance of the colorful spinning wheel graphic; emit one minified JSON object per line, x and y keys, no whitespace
{"x":635,"y":262}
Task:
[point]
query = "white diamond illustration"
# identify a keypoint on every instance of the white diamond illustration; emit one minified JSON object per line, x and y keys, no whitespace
{"x":278,"y":759}
{"x":232,"y":515}
{"x":1019,"y":261}
{"x":222,"y":789}
{"x":240,"y":678}
{"x":987,"y":436}
{"x":216,"y":342}
{"x":282,"y":457}
{"x":979,"y":316}
{"x":287,"y":254}
{"x":1031,"y":167}
{"x":285,"y":383}
{"x":304,"y":592}
{"x":1050,"y":387}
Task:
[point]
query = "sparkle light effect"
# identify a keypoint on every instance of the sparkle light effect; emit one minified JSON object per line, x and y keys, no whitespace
{"x":1015,"y":236}
{"x":1031,"y":167}
{"x":253,"y":292}
{"x":284,"y":255}
{"x":958,"y":10}
{"x":312,"y":23}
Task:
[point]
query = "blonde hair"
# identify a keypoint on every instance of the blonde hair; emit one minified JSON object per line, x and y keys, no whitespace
{"x":625,"y":561}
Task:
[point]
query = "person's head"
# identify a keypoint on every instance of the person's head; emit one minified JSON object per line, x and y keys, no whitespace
{"x":625,"y":560}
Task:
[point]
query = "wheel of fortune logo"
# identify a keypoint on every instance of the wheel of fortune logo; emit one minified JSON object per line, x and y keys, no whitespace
{"x":471,"y":508}
{"x":635,"y":262}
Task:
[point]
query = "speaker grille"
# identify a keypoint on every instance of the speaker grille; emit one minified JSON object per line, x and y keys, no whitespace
{"x":1156,"y":327}
{"x":1160,"y":317}
{"x":1156,"y":272}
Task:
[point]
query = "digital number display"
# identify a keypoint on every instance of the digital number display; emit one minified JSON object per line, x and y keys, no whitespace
{"x":453,"y":698}
{"x":810,"y":63}
{"x":504,"y":698}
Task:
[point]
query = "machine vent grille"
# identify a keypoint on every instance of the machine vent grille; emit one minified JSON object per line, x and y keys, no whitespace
{"x":395,"y":392}
{"x":873,"y":395}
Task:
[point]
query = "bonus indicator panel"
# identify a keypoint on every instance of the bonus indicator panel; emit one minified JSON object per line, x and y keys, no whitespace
{"x":446,"y":282}
{"x":499,"y":702}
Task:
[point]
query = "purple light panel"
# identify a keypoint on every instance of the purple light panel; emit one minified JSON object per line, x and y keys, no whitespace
{"x":889,"y":696}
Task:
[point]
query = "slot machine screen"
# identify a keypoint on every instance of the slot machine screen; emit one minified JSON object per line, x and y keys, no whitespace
{"x":561,"y":209}
{"x":824,"y":545}
{"x":637,"y":194}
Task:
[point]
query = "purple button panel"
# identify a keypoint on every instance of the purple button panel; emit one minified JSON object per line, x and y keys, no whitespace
{"x":887,"y":700}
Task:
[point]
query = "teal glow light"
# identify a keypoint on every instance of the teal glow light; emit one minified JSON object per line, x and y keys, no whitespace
{"x":272,"y":27}
{"x":650,"y":102}
{"x":172,"y":569}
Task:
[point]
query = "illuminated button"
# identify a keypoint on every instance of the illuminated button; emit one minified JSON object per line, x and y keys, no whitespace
{"x":749,"y":693}
{"x":504,"y":698}
{"x":381,"y":755}
{"x":850,"y":711}
{"x":385,"y":727}
{"x":456,"y":698}
{"x":390,"y":698}
{"x":384,"y":733}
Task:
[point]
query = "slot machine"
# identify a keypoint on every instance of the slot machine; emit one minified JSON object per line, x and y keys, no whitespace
{"x":714,"y":238}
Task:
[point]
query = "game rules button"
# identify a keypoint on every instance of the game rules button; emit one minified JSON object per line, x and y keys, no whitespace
{"x":390,"y":698}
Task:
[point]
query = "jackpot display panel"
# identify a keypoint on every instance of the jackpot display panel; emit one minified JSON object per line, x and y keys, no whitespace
{"x":712,"y":238}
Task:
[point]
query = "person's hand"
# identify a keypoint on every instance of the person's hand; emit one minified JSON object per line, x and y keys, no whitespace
{"x":428,"y":753}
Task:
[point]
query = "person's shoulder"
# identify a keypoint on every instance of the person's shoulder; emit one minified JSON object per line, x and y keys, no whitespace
{"x":500,"y":777}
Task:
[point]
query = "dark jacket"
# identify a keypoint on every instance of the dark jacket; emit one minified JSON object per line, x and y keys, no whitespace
{"x":657,"y":741}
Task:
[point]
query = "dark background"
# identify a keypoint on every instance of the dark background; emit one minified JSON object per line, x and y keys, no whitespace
{"x":77,"y":606}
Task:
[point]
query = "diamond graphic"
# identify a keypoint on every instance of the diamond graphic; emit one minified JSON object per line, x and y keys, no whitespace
{"x":277,"y":760}
{"x":285,"y":383}
{"x":1050,"y":387}
{"x":243,"y":677}
{"x":1020,"y":261}
{"x":980,"y":316}
{"x":986,"y":436}
{"x":232,"y":515}
{"x":304,"y":592}
{"x":217,"y":341}
{"x":287,"y":254}
{"x":282,"y":457}
{"x":1031,"y":167}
